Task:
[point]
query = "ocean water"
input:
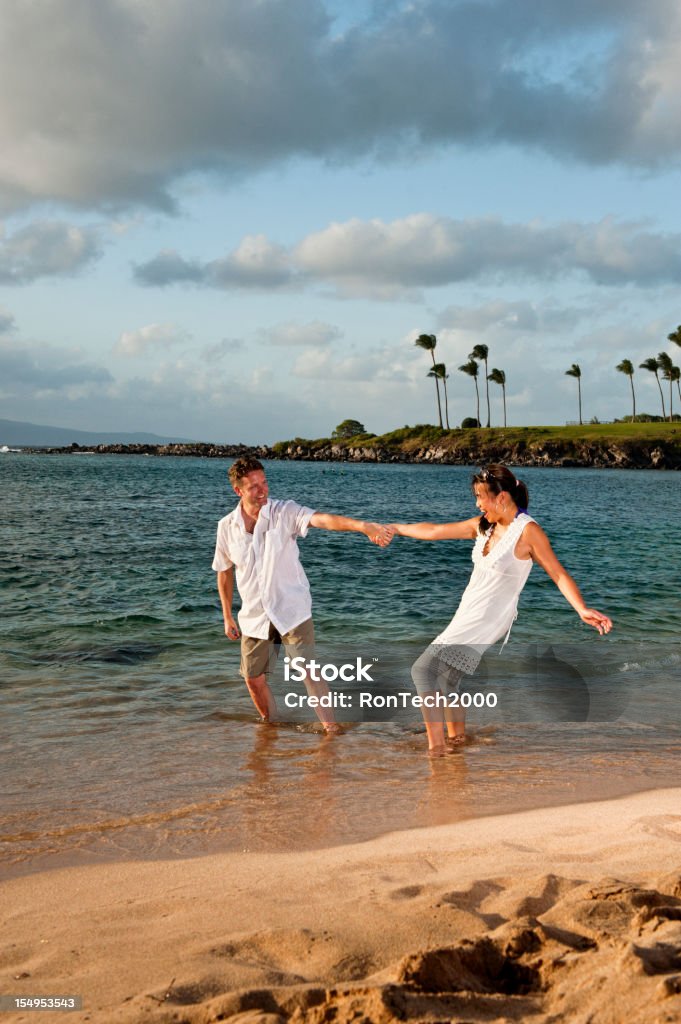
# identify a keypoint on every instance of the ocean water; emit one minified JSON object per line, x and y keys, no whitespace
{"x":127,"y":731}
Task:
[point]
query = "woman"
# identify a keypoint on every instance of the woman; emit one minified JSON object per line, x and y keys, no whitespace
{"x":507,"y":543}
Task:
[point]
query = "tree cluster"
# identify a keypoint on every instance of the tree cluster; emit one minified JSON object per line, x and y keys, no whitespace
{"x":480,"y":353}
{"x":662,"y":363}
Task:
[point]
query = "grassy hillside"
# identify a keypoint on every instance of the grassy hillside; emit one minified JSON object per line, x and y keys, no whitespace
{"x":410,"y":438}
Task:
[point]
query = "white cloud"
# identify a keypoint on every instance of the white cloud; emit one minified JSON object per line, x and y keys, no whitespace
{"x":222,"y":349}
{"x":168,"y":267}
{"x":384,"y":387}
{"x":149,"y":338}
{"x":7,"y":321}
{"x":512,"y":316}
{"x":253,"y":408}
{"x":522,"y":316}
{"x":256,"y":263}
{"x":133,"y":95}
{"x":46,"y":249}
{"x":423,"y":250}
{"x":32,"y":369}
{"x":314,"y":334}
{"x":385,"y":260}
{"x":366,"y":368}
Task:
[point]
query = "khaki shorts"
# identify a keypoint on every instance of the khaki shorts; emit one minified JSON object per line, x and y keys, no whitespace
{"x":258,"y":657}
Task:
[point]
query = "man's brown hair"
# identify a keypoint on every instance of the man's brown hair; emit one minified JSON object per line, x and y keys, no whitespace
{"x":242,"y":467}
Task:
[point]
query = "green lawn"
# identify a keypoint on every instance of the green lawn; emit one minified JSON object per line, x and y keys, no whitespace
{"x":414,"y":437}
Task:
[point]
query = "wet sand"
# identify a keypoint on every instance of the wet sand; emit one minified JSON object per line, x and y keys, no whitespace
{"x":568,"y":913}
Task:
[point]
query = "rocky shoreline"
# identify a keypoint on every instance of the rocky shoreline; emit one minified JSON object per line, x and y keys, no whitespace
{"x":625,"y":453}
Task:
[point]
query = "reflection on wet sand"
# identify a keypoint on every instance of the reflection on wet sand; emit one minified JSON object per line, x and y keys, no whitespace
{"x":280,"y":808}
{"x":300,"y":795}
{"x":229,"y":783}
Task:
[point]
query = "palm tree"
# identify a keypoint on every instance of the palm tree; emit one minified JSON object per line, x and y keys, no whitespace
{"x":575,"y":371}
{"x":481,"y":352}
{"x":626,"y":366}
{"x":471,"y":368}
{"x":499,"y":377}
{"x":676,"y":375}
{"x":652,"y":364}
{"x":428,"y":342}
{"x":675,"y":336}
{"x":665,"y":363}
{"x":440,"y":371}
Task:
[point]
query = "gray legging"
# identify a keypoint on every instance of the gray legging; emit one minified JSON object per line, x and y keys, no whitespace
{"x":433,"y":676}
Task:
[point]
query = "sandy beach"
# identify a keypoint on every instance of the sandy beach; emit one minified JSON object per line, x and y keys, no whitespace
{"x":569,"y":913}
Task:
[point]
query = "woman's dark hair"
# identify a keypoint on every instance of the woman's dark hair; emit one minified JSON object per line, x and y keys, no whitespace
{"x":497,"y":479}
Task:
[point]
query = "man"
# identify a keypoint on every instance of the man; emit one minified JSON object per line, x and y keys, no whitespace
{"x":259,"y":538}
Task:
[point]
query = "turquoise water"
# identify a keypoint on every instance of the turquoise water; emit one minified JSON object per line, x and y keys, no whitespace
{"x":128,"y":733}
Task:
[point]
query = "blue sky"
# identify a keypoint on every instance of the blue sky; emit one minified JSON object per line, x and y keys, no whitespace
{"x":230,"y":221}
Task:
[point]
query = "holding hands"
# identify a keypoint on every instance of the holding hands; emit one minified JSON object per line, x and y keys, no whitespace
{"x":380,"y":534}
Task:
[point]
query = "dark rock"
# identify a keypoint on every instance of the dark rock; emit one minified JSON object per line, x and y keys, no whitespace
{"x":629,"y":453}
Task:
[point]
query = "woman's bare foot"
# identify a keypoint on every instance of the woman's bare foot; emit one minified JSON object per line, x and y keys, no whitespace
{"x":456,"y":741}
{"x":333,"y":729}
{"x":439,"y":751}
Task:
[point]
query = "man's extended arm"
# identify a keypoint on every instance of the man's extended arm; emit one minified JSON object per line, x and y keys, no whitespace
{"x":226,"y":592}
{"x":328,"y":521}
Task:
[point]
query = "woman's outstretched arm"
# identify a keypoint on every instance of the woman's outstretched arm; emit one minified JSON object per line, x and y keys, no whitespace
{"x":543,"y":554}
{"x":466,"y":529}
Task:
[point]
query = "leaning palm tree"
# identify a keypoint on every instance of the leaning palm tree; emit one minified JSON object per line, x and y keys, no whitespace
{"x":676,"y":375}
{"x":428,"y":342}
{"x":471,"y":368}
{"x":481,"y":352}
{"x":652,"y":364}
{"x":499,"y":377}
{"x":665,"y":363}
{"x":440,"y":371}
{"x":626,"y":366}
{"x":575,"y":371}
{"x":675,"y":336}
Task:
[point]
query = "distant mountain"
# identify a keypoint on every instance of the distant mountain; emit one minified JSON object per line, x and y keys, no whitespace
{"x":33,"y":435}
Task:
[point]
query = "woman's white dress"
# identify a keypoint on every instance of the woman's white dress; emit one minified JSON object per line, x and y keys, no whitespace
{"x":489,"y":604}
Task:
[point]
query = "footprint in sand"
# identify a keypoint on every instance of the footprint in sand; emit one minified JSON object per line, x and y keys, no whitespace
{"x":667,"y":826}
{"x":291,"y":956}
{"x":407,"y":892}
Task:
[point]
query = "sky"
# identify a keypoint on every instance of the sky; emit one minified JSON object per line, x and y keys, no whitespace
{"x":230,"y":221}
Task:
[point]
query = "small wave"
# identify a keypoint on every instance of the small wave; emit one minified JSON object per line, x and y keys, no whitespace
{"x":113,"y":824}
{"x":632,"y":726}
{"x":126,"y":654}
{"x":664,"y":661}
{"x":135,"y":617}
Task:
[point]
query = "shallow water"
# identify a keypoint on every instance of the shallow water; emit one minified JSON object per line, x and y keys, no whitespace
{"x":128,"y":733}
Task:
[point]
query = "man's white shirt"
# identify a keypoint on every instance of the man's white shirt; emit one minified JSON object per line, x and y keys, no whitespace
{"x":271,"y":581}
